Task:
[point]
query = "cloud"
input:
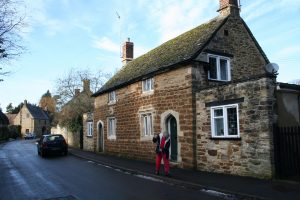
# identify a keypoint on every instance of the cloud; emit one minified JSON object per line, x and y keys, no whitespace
{"x":287,"y":54}
{"x":106,"y":44}
{"x":259,"y":8}
{"x":175,"y":17}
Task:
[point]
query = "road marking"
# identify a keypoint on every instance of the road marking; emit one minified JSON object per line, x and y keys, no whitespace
{"x":149,"y":178}
{"x":219,"y":194}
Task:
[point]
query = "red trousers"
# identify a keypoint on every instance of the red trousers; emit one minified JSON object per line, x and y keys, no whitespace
{"x":163,"y":156}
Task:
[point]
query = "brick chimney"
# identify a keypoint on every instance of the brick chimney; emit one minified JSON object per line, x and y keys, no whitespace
{"x":127,"y":52}
{"x":86,"y":85}
{"x":229,"y":7}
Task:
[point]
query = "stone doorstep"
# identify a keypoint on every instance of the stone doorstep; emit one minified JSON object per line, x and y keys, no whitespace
{"x":177,"y":182}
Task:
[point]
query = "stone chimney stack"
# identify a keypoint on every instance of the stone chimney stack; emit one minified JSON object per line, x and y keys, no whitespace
{"x":229,"y":7}
{"x":86,"y":85}
{"x":127,"y":52}
{"x":77,"y":92}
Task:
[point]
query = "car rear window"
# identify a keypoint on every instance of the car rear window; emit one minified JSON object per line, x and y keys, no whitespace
{"x":55,"y":138}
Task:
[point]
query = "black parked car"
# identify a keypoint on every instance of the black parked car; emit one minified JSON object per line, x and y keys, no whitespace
{"x":55,"y":143}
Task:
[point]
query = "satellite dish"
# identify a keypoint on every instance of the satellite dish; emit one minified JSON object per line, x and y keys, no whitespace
{"x":272,"y":68}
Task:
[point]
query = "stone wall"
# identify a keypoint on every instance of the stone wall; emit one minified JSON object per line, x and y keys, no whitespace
{"x":88,"y":141}
{"x":246,"y":61}
{"x":172,"y":95}
{"x":252,"y":154}
{"x":72,"y":139}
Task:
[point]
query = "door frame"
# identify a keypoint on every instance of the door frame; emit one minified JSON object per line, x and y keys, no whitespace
{"x":100,"y":135}
{"x":164,"y":127}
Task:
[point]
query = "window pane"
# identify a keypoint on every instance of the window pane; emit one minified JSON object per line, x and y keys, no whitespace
{"x":218,"y":112}
{"x":219,"y":127}
{"x":151,"y":84}
{"x":150,"y":125}
{"x":145,"y":125}
{"x":213,"y":68}
{"x":224,"y":69}
{"x":232,"y":121}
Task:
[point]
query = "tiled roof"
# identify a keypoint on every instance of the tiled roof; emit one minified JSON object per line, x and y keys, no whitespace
{"x":37,"y":112}
{"x":172,"y":53}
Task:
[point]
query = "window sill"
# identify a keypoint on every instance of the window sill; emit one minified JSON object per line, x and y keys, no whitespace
{"x":89,"y":136}
{"x":216,"y":80}
{"x":225,"y":138}
{"x":147,"y":93}
{"x":146,"y":138}
{"x":111,"y":103}
{"x":112,"y":138}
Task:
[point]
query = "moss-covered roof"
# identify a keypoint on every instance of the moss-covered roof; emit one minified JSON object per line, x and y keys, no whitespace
{"x":171,"y":53}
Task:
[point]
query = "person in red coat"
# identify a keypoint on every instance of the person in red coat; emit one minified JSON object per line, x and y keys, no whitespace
{"x":162,"y":141}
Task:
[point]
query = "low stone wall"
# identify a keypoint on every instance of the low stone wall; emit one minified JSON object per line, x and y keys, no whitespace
{"x":251,"y":155}
{"x":73,"y":139}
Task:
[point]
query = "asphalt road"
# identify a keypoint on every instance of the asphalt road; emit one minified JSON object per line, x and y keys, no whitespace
{"x":25,"y":175}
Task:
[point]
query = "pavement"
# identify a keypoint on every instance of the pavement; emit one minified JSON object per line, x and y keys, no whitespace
{"x":228,"y":186}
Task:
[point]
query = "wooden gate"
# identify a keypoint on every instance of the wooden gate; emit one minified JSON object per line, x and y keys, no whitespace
{"x":287,"y":152}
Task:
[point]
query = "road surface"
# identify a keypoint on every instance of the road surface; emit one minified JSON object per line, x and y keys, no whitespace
{"x":25,"y":175}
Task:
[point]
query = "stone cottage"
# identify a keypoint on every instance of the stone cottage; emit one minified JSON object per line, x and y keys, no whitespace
{"x":32,"y":119}
{"x":207,"y":87}
{"x":80,"y":103}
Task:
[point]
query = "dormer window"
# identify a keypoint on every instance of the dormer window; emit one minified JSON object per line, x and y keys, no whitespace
{"x":219,"y":69}
{"x":148,"y":85}
{"x":112,"y":97}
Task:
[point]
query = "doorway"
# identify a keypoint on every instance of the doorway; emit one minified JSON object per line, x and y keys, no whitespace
{"x":172,"y":130}
{"x":100,"y":137}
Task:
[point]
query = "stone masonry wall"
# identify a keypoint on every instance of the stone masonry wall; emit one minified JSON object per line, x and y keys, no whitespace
{"x":172,"y":94}
{"x":247,"y":61}
{"x":252,"y":154}
{"x":88,"y":141}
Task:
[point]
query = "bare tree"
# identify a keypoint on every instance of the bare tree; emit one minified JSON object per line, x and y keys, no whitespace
{"x":70,"y":105}
{"x":65,"y":86}
{"x":11,"y":24}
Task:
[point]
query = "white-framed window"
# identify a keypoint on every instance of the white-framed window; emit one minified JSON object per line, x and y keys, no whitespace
{"x":147,"y":125}
{"x":112,"y":97}
{"x":219,"y":69}
{"x":225,"y":121}
{"x":111,"y":128}
{"x":89,"y":128}
{"x":148,"y":85}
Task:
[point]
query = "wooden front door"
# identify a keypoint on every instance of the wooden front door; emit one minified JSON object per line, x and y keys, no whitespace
{"x":172,"y":129}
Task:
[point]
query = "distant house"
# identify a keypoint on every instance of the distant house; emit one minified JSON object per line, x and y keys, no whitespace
{"x":32,"y":119}
{"x":11,"y":118}
{"x":81,"y":102}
